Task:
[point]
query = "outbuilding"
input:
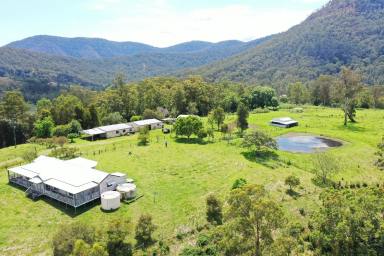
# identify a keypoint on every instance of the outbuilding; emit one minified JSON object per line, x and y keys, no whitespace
{"x":284,"y":122}
{"x":151,"y":124}
{"x":109,"y":131}
{"x":73,"y":182}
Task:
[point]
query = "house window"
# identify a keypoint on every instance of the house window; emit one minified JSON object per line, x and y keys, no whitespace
{"x":117,"y":132}
{"x":123,"y":130}
{"x":110,"y":184}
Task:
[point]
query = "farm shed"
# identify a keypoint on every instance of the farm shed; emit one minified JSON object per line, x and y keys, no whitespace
{"x":110,"y":131}
{"x":73,"y":182}
{"x":152,"y":124}
{"x":284,"y":122}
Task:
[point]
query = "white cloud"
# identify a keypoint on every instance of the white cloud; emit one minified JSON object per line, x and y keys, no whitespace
{"x":158,"y":24}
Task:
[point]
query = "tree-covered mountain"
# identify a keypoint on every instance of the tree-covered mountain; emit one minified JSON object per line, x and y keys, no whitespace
{"x":56,"y":67}
{"x":96,"y":48}
{"x":87,"y":48}
{"x":342,"y":33}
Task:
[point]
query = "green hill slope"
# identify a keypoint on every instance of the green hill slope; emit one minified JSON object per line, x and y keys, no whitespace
{"x":344,"y":32}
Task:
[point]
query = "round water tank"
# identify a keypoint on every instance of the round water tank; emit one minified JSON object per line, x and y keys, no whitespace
{"x":127,"y":190}
{"x":110,"y":200}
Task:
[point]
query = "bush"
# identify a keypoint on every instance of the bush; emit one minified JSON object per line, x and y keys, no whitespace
{"x":292,"y":181}
{"x":143,"y":136}
{"x":260,"y":110}
{"x":188,"y":126}
{"x":302,"y":212}
{"x":61,"y":130}
{"x":239,"y":183}
{"x":202,"y":134}
{"x":135,"y":118}
{"x":258,"y":140}
{"x":214,"y":210}
{"x":144,"y":230}
{"x":64,"y":240}
{"x":72,"y":136}
{"x":149,"y":114}
{"x":61,"y":141}
{"x":65,"y":153}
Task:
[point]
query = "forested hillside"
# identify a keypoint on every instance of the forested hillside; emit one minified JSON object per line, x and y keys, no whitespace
{"x":22,"y":64}
{"x":96,"y":48}
{"x":343,"y":33}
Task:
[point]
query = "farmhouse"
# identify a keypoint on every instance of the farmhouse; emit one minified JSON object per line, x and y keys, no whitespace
{"x":285,"y":122}
{"x":73,"y":182}
{"x":152,"y":124}
{"x":110,"y":131}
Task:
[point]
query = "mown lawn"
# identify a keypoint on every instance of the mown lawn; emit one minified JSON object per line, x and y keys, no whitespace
{"x":175,"y":180}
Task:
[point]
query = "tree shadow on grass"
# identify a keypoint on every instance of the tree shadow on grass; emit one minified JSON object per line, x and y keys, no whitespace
{"x":261,"y":157}
{"x":353,"y":127}
{"x":192,"y":141}
{"x":295,"y":195}
{"x":321,"y":183}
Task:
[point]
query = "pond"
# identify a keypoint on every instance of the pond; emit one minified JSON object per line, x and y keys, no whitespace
{"x":305,"y":143}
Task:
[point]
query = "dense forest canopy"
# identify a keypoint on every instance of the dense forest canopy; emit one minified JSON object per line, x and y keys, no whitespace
{"x":343,"y":33}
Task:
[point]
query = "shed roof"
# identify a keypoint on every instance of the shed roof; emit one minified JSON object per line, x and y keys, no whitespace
{"x":147,"y":122}
{"x":107,"y":128}
{"x":284,"y":120}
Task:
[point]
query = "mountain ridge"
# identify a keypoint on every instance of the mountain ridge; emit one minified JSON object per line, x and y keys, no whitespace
{"x":99,"y":48}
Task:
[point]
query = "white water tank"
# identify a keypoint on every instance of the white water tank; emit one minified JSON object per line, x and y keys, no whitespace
{"x":110,"y":200}
{"x":127,"y":190}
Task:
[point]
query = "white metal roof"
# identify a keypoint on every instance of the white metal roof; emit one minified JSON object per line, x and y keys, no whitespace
{"x":36,"y":180}
{"x":118,"y":174}
{"x":69,"y":188}
{"x":71,"y":176}
{"x":83,"y":162}
{"x":147,"y":122}
{"x":284,"y":120}
{"x":23,"y":172}
{"x":94,"y":131}
{"x":114,"y":127}
{"x":108,"y":128}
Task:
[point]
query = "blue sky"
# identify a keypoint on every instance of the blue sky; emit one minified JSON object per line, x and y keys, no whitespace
{"x":156,"y":22}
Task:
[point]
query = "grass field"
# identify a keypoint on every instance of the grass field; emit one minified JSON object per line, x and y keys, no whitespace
{"x":175,"y":180}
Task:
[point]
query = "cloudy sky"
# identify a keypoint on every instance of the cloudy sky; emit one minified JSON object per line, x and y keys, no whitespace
{"x":155,"y":22}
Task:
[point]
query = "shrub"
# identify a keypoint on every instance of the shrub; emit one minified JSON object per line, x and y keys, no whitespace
{"x":292,"y":181}
{"x":60,"y":140}
{"x":61,"y":130}
{"x":144,"y":230}
{"x":64,"y":240}
{"x":143,"y":136}
{"x":214,"y":210}
{"x":135,"y":118}
{"x":302,"y":212}
{"x":188,"y":126}
{"x":260,"y":110}
{"x":202,"y":134}
{"x":239,"y":183}
{"x":65,"y":153}
{"x":258,"y":140}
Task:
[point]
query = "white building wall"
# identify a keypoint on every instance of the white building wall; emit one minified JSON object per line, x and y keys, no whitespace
{"x":117,"y":133}
{"x":111,"y":179}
